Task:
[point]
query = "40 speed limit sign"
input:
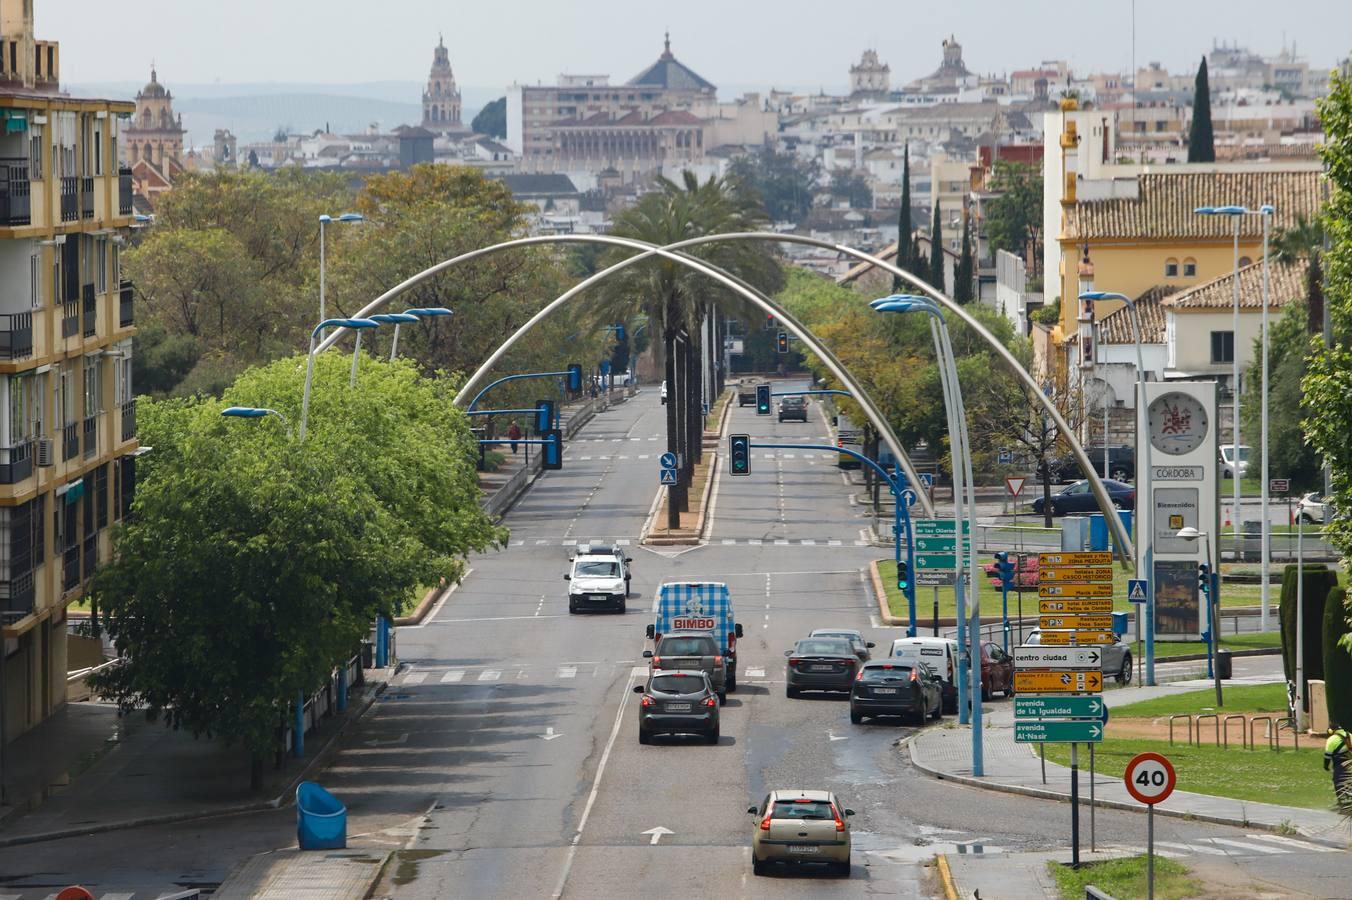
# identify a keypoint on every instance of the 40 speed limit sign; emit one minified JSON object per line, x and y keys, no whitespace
{"x":1150,"y":778}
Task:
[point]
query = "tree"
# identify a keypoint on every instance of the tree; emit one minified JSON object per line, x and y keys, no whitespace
{"x":935,"y":275}
{"x":1201,"y":142}
{"x":253,"y":565}
{"x":253,"y":159}
{"x":1014,"y":216}
{"x":851,"y":187}
{"x":1337,"y":647}
{"x":492,"y":119}
{"x":905,"y":237}
{"x":962,"y":287}
{"x":783,"y":181}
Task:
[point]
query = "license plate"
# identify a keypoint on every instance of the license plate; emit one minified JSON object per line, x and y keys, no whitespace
{"x":804,"y":848}
{"x":678,"y":707}
{"x":822,"y":668}
{"x":884,"y":690}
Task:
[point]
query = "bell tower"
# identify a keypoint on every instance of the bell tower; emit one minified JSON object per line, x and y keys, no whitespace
{"x":441,"y":98}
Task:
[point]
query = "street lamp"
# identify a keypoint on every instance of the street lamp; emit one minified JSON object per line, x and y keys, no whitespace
{"x":310,"y":359}
{"x":325,"y":220}
{"x":1189,"y":533}
{"x":254,"y":412}
{"x":420,"y":312}
{"x":1144,"y":563}
{"x":395,"y":319}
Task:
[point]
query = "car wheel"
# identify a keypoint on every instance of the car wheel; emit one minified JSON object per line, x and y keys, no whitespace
{"x":644,"y":737}
{"x":572,"y":607}
{"x":843,"y":868}
{"x":1120,"y":475}
{"x":1056,"y":510}
{"x":722,"y":697}
{"x":986,"y":693}
{"x":1124,"y":674}
{"x":627,"y":591}
{"x":757,"y":867}
{"x":621,"y":608}
{"x":712,"y":737}
{"x":855,"y":718}
{"x":790,"y":692}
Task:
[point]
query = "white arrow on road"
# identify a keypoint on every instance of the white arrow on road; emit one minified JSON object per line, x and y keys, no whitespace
{"x":550,"y":734}
{"x":657,"y":834}
{"x":837,"y":737}
{"x":403,"y":738}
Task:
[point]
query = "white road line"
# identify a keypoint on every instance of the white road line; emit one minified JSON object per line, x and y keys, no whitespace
{"x":1292,"y":842}
{"x":570,"y":543}
{"x":538,"y":543}
{"x":453,"y":676}
{"x":623,"y":542}
{"x":415,"y":678}
{"x":781,"y":542}
{"x":445,"y":595}
{"x":644,"y":455}
{"x":1191,"y":848}
{"x":518,"y":543}
{"x":490,"y":675}
{"x":833,"y":543}
{"x":498,"y":619}
{"x":116,"y":896}
{"x":808,"y":543}
{"x":1245,"y":845}
{"x":584,"y":458}
{"x":567,"y":672}
{"x":729,"y":540}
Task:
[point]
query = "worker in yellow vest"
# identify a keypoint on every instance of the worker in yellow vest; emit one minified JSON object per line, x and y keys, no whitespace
{"x":1338,"y":757}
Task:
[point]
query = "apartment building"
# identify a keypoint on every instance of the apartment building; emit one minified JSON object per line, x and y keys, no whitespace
{"x":67,"y":416}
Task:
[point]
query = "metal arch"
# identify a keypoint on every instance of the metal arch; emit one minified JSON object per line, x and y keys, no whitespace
{"x":758,"y":299}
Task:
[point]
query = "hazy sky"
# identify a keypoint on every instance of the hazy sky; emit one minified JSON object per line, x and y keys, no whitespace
{"x":730,"y":42}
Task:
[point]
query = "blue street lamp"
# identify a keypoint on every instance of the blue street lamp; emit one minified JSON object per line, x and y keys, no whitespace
{"x":254,"y":412}
{"x":310,"y":359}
{"x":418,"y":313}
{"x":325,"y":220}
{"x":395,"y":319}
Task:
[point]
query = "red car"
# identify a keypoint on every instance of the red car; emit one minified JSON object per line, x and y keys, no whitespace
{"x":997,"y":671}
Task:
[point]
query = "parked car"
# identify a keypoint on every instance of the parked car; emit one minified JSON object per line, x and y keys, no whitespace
{"x":677,"y":703}
{"x":1313,"y":509}
{"x":1078,"y":498}
{"x":854,"y":636}
{"x":1116,"y":662}
{"x":1228,"y":460}
{"x":820,"y":664}
{"x":997,"y":671}
{"x":940,"y":654}
{"x":896,"y":687}
{"x":696,"y":651}
{"x":793,"y":408}
{"x":801,"y":827}
{"x":1121,"y":465}
{"x":746,"y":392}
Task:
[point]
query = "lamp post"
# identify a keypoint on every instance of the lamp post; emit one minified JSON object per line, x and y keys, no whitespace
{"x":1188,"y":533}
{"x":310,"y":360}
{"x":1144,"y":557}
{"x":254,"y":412}
{"x":325,"y":220}
{"x":418,"y":313}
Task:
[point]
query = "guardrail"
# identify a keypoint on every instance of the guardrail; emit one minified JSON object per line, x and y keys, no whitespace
{"x":77,"y":682}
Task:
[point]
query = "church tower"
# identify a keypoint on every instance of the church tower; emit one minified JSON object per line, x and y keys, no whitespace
{"x":441,"y":99}
{"x":155,"y":134}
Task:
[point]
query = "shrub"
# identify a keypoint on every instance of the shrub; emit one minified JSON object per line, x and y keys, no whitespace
{"x":1337,"y":658}
{"x":1319,"y":581}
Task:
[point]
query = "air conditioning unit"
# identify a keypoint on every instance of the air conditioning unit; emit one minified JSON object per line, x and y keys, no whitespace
{"x":46,"y":454}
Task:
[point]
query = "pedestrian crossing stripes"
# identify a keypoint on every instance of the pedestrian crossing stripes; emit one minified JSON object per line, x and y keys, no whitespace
{"x":726,"y":542}
{"x":467,"y":676}
{"x":1253,"y":845}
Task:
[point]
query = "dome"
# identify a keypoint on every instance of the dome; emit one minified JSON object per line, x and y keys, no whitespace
{"x":153,"y":88}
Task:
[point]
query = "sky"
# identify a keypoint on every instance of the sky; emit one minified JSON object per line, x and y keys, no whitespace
{"x":746,"y":43}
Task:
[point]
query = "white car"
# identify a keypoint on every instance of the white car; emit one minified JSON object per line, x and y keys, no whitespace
{"x":664,"y":392}
{"x":1228,"y":460}
{"x":599,"y":579}
{"x":941,"y":654}
{"x":1313,"y":509}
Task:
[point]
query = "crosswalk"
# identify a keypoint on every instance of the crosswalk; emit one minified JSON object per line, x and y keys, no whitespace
{"x":429,"y":675}
{"x":725,"y":542}
{"x":1251,"y":845}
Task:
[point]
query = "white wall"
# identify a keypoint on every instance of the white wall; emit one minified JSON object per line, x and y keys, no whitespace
{"x":15,"y":282}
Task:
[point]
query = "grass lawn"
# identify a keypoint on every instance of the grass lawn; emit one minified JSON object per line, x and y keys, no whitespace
{"x":1253,"y":698}
{"x":1125,"y":878}
{"x":1291,"y":777}
{"x":716,"y":411}
{"x":1248,"y":641}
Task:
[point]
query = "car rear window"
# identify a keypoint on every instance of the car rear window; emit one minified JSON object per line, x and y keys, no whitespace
{"x":678,"y":684}
{"x":831,"y":647}
{"x":803,"y":809}
{"x":688,"y":646}
{"x":794,"y":401}
{"x":886,"y":673}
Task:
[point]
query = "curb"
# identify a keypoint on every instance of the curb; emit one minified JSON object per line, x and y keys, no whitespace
{"x":880,"y":594}
{"x":420,"y":613}
{"x":282,"y":799}
{"x":946,"y":877}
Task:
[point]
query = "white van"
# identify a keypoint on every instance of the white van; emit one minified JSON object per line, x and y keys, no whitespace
{"x":942,"y":656}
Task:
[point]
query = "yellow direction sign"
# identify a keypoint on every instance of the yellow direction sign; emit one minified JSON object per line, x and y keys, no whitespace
{"x":1104,"y":605}
{"x":1045,"y":560}
{"x":1078,"y":575}
{"x":1075,"y":590}
{"x":1083,"y":623}
{"x":1076,"y":638}
{"x":1059,"y":682}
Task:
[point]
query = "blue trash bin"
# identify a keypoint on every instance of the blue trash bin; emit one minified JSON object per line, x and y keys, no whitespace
{"x":1126,"y":516}
{"x":1121,"y":623}
{"x":1098,"y":532}
{"x":321,"y":819}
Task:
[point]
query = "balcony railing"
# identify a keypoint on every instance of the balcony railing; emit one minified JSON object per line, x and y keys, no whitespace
{"x":91,"y":310}
{"x":17,"y":597}
{"x":70,"y":567}
{"x":124,"y":206}
{"x":70,"y":198}
{"x":70,"y":441}
{"x":15,"y":193}
{"x":125,"y":310}
{"x":91,"y":435}
{"x":16,"y":335}
{"x":70,"y":318}
{"x":16,"y":463}
{"x":129,"y":420}
{"x":87,"y":197}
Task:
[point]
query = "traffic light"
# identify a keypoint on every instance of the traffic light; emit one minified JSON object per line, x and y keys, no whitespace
{"x":762,"y":399}
{"x":544,"y":416}
{"x":553,"y":447}
{"x":1204,"y":578}
{"x":903,"y":576}
{"x":769,"y":322}
{"x":782,"y":342}
{"x":574,"y":377}
{"x":619,"y":332}
{"x":739,"y":450}
{"x":1004,"y":569}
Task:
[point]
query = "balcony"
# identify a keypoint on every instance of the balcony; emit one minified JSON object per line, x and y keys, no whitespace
{"x":125,"y":317}
{"x":16,"y":335}
{"x":70,"y":441}
{"x":70,"y":318}
{"x":16,"y":463}
{"x":91,"y":435}
{"x":91,"y":310}
{"x":70,"y":198}
{"x":17,"y":597}
{"x":15,"y":193}
{"x":87,"y":197}
{"x":124,"y":205}
{"x":129,"y":420}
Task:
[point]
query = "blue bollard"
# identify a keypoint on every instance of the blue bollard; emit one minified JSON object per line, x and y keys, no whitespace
{"x":321,"y":819}
{"x":382,"y":642}
{"x":342,"y":687}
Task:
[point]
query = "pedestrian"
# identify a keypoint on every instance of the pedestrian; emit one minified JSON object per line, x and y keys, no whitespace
{"x":514,"y":435}
{"x":1338,"y":757}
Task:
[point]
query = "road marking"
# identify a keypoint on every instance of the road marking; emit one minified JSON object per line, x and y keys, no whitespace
{"x":572,"y":542}
{"x":567,"y":672}
{"x":755,"y":542}
{"x":415,"y":678}
{"x":550,"y":734}
{"x":584,"y":458}
{"x":645,"y":456}
{"x":445,"y":595}
{"x":727,"y":541}
{"x":808,"y":543}
{"x":518,"y":543}
{"x":538,"y":543}
{"x":623,"y":542}
{"x":453,"y":676}
{"x":754,"y":673}
{"x":498,"y":619}
{"x":1191,"y":848}
{"x":1292,"y":842}
{"x":1244,"y":845}
{"x":490,"y":675}
{"x":833,"y":543}
{"x":402,"y":739}
{"x":781,"y":542}
{"x":837,"y":737}
{"x":656,"y":834}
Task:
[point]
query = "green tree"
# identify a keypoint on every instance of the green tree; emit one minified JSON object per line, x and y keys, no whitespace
{"x":162,"y":358}
{"x":1337,"y":647}
{"x":783,"y":181}
{"x":1014,"y":216}
{"x":935,"y":275}
{"x":905,"y":237}
{"x":253,"y":565}
{"x":1201,"y":142}
{"x":851,"y":187}
{"x":966,"y":271}
{"x":492,"y":119}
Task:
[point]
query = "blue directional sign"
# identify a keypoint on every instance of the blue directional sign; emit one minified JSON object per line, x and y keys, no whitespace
{"x":1136,"y":590}
{"x":1005,"y":457}
{"x":909,"y":497}
{"x":667,"y":460}
{"x":668,"y":476}
{"x":928,"y":480}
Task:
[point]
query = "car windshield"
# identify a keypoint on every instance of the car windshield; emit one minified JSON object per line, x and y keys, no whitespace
{"x":688,"y":646}
{"x":598,"y":569}
{"x":1229,"y":453}
{"x":827,"y":647}
{"x":678,"y":684}
{"x":886,"y":673}
{"x":803,"y":809}
{"x":844,"y":635}
{"x":793,"y":401}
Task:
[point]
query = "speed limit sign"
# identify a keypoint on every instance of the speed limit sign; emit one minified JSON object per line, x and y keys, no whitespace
{"x":1150,"y":778}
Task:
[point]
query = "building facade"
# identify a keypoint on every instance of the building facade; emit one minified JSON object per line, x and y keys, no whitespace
{"x":441,"y":98}
{"x":67,"y":413}
{"x":870,"y":78}
{"x":152,"y":142}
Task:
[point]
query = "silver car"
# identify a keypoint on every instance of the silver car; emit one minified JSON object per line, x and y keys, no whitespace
{"x":1116,"y":662}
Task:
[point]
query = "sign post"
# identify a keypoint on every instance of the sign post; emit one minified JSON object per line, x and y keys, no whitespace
{"x":1150,"y":778}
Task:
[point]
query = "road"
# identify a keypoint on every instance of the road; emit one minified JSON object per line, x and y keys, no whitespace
{"x":504,"y":760}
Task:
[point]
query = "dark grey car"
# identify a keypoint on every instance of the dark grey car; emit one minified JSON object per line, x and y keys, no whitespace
{"x":677,"y":703}
{"x":1116,"y":661}
{"x":820,"y":664}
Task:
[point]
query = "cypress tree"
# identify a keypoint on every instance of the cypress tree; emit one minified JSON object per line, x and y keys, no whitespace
{"x":905,"y":247}
{"x":1201,"y":142}
{"x":962,"y":287}
{"x":936,"y":260}
{"x":1337,"y":659}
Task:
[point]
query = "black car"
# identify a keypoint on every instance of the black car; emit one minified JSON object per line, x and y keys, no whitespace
{"x":793,"y":408}
{"x":677,"y":703}
{"x":1121,"y":465}
{"x":820,"y":664}
{"x":894,"y":687}
{"x":1078,"y":498}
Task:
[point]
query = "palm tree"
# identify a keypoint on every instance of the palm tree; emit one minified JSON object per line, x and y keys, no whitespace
{"x":677,"y":300}
{"x":1304,"y":240}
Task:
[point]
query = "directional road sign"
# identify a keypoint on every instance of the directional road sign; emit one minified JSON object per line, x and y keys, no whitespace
{"x":1075,"y":590}
{"x":1071,"y":707}
{"x":909,"y":496}
{"x":1077,"y":575}
{"x":1136,"y":590}
{"x":1057,"y":657}
{"x":1080,"y":623}
{"x":1005,"y":457}
{"x":667,"y":460}
{"x":940,"y":577}
{"x":928,"y":481}
{"x":942,"y":542}
{"x":668,"y":476}
{"x":936,"y":561}
{"x":1037,"y":731}
{"x":941,"y":526}
{"x":1077,"y":638}
{"x":1075,"y":559}
{"x":1077,"y":681}
{"x":1047,"y":607}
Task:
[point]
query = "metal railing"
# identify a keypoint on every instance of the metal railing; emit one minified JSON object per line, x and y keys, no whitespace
{"x":70,"y":198}
{"x":70,"y":318}
{"x":91,"y":435}
{"x":125,"y":309}
{"x":17,"y":597}
{"x":70,"y":441}
{"x":91,"y":310}
{"x":16,"y":335}
{"x":128,"y":410}
{"x":124,"y":192}
{"x":87,"y":197}
{"x":16,"y":463}
{"x":16,"y":201}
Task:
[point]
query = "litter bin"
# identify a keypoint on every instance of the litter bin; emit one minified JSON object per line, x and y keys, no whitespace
{"x":1121,"y":622}
{"x":1098,"y":532}
{"x":321,"y":819}
{"x":1223,"y":664}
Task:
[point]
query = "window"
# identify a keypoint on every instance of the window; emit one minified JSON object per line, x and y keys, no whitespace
{"x":101,"y":496}
{"x":35,"y":280}
{"x":1171,"y":268}
{"x":65,"y":393}
{"x":1222,"y":346}
{"x":101,"y":264}
{"x":93,"y":383}
{"x":39,"y":523}
{"x":18,"y":411}
{"x":35,"y":152}
{"x":1189,"y":268}
{"x":98,"y":147}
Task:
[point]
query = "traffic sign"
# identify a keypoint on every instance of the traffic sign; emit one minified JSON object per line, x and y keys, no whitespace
{"x":1077,"y":681}
{"x":1150,"y":778}
{"x":1037,"y":731}
{"x":928,"y":481}
{"x":1077,"y":638}
{"x":936,"y":561}
{"x":1004,"y":458}
{"x":668,"y":476}
{"x":940,"y":543}
{"x":1075,"y":606}
{"x":909,"y":497}
{"x":940,"y":526}
{"x":1096,"y":558}
{"x":1136,"y":590}
{"x":667,"y":460}
{"x":1080,"y":623}
{"x":1075,"y":590}
{"x":1079,"y":575}
{"x":1071,"y":707}
{"x":1279,"y":485}
{"x":1056,"y":657}
{"x":1014,"y":485}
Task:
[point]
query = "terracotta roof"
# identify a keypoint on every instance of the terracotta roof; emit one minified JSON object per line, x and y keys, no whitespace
{"x":1165,"y":203}
{"x":1115,"y":328}
{"x":1288,"y":283}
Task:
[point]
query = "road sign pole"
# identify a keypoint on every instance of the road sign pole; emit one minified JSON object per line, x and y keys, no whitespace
{"x":1092,"y":848}
{"x":1150,"y":852}
{"x":936,"y":610}
{"x":1074,"y":805}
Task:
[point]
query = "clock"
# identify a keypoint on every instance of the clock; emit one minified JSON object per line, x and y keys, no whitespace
{"x":1177,"y":423}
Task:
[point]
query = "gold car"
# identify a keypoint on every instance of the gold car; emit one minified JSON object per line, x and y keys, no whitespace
{"x":801,"y":827}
